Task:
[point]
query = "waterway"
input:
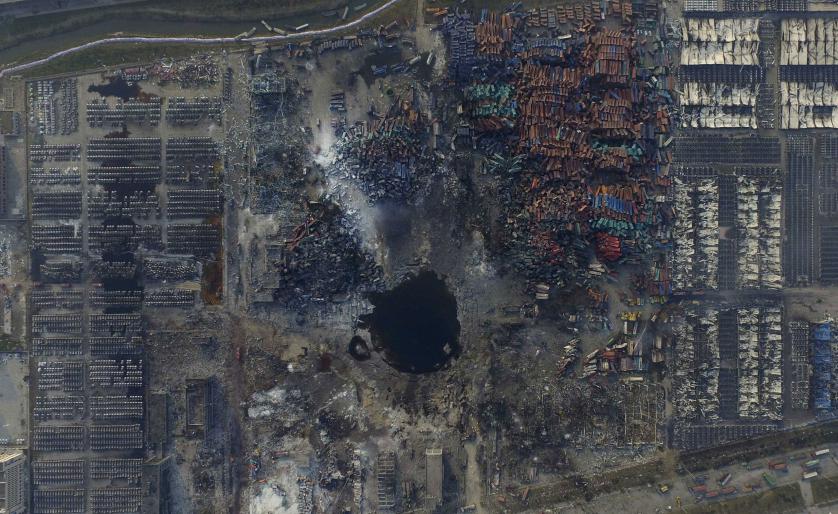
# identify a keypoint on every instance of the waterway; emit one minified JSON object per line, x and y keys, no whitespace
{"x":138,"y":26}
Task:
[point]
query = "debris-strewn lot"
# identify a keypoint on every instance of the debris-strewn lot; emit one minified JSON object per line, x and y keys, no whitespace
{"x":461,"y":259}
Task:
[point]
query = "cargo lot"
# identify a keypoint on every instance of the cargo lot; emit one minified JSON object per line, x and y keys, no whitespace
{"x":543,"y":257}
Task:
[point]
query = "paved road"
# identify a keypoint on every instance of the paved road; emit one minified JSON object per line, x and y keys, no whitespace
{"x":199,"y":41}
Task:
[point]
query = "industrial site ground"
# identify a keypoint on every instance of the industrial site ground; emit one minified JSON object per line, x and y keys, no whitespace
{"x":529,"y":257}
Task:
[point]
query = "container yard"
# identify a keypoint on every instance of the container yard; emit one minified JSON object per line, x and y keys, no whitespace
{"x":450,"y":258}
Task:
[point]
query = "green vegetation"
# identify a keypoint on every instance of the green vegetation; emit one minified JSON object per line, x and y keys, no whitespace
{"x":779,"y":500}
{"x":825,"y":489}
{"x":114,"y":55}
{"x":211,"y":18}
{"x":545,"y":495}
{"x":122,"y":54}
{"x":760,"y":447}
{"x":13,"y":31}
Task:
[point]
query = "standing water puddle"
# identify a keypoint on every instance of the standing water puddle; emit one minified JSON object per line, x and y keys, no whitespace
{"x":414,"y":326}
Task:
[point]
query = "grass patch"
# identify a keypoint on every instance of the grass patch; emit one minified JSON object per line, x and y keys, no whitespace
{"x":546,"y":495}
{"x":781,"y":499}
{"x":14,"y":30}
{"x":825,"y":489}
{"x":114,"y":55}
{"x":759,"y":447}
{"x":138,"y":53}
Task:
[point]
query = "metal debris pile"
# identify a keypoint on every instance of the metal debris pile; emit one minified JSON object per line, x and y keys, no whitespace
{"x":322,"y":260}
{"x":389,"y":156}
{"x":587,"y":117}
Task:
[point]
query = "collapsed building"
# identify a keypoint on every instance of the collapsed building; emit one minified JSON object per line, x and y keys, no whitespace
{"x":712,"y":98}
{"x":695,"y":232}
{"x":728,"y":378}
{"x":808,"y":49}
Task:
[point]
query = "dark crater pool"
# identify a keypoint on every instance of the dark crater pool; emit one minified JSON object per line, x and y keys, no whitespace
{"x":414,"y":326}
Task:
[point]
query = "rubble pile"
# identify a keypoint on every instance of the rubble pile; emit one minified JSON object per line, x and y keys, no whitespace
{"x":696,"y":234}
{"x":323,"y":259}
{"x":760,"y":363}
{"x":387,"y":158}
{"x":748,"y":224}
{"x":195,"y":72}
{"x":459,"y":28}
{"x":696,"y":380}
{"x":623,"y":353}
{"x":578,"y":107}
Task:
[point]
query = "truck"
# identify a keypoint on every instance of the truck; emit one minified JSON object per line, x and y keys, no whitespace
{"x":811,"y":464}
{"x":810,"y":475}
{"x":771,"y":481}
{"x":698,"y":489}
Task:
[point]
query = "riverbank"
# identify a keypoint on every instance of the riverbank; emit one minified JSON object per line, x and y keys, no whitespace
{"x":102,"y":52}
{"x":33,"y":38}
